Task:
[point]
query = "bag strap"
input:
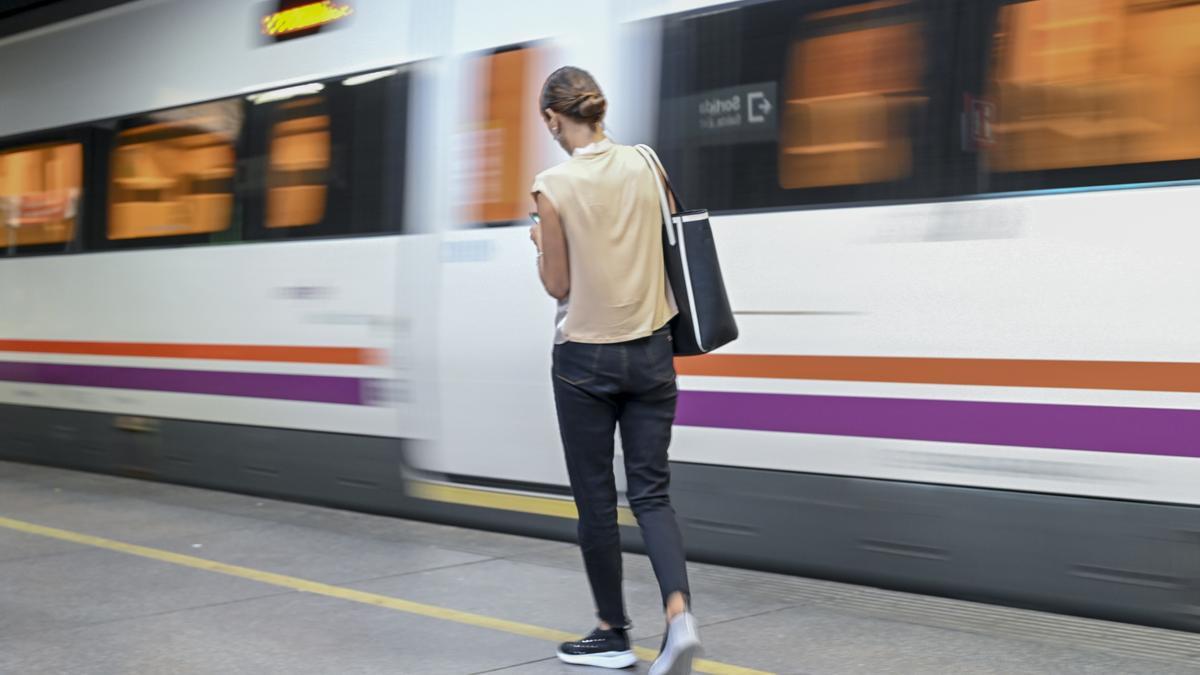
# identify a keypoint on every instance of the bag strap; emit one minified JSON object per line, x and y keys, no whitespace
{"x":656,"y":170}
{"x":666,"y":177}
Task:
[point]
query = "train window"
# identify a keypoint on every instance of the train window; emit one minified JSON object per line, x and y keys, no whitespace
{"x":171,"y":173}
{"x":495,"y":164}
{"x":40,"y":188}
{"x":331,"y":155}
{"x":1095,"y":83}
{"x":791,"y":103}
{"x":299,"y":164}
{"x":852,"y":92}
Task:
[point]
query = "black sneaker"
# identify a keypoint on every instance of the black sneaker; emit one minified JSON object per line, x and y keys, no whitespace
{"x":603,"y":648}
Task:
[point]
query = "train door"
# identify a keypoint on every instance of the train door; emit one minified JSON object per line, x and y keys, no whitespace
{"x":495,"y":323}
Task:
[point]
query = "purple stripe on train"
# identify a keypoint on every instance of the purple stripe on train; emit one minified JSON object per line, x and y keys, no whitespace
{"x":1149,"y":431}
{"x":313,"y":388}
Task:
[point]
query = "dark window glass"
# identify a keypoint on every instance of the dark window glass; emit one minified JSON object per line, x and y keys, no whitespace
{"x":792,"y":103}
{"x":327,"y":158}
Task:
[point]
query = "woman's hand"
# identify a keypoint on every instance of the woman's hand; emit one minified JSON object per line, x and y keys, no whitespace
{"x":535,"y":235}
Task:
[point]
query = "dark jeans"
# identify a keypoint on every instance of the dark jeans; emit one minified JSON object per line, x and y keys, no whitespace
{"x":598,"y":387}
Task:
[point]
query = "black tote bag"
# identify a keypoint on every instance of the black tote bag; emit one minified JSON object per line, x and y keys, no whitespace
{"x":705,"y":320}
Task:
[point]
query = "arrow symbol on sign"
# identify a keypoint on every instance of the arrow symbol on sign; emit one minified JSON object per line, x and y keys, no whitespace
{"x":759,"y":113}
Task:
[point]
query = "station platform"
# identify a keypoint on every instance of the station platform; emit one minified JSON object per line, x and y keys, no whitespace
{"x":100,"y":574}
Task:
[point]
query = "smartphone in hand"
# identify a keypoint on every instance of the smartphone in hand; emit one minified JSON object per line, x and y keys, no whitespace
{"x":535,"y":233}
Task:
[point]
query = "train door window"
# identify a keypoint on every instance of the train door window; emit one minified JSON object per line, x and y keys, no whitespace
{"x":171,"y":175}
{"x":331,"y":155}
{"x":495,"y":164}
{"x":1094,"y":91}
{"x":40,"y":190}
{"x":299,"y":163}
{"x":786,"y":103}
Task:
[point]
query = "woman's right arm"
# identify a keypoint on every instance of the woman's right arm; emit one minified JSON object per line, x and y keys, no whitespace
{"x":552,"y":263}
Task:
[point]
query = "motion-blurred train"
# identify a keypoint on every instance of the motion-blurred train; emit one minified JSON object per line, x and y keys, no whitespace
{"x":281,"y":248}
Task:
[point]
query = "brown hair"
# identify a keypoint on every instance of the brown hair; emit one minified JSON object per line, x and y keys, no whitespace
{"x":573,"y":92}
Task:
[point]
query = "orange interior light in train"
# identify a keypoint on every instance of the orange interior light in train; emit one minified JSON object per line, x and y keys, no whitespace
{"x":854,"y":83}
{"x":39,"y":191}
{"x":1081,"y":83}
{"x":173,"y":173}
{"x":496,"y":162}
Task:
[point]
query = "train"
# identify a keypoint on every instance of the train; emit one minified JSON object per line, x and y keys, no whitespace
{"x":281,"y":248}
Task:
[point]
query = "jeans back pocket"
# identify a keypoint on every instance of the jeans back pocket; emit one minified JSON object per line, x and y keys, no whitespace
{"x":576,"y":363}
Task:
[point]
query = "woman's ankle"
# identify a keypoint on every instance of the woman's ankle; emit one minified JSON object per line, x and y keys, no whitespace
{"x":676,"y":605}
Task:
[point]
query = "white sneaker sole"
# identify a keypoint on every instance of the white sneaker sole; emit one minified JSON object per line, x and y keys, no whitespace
{"x":602,"y":660}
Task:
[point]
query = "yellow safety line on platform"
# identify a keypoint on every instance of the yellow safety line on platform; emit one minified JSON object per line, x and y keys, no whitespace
{"x":506,"y":501}
{"x":343,"y":593}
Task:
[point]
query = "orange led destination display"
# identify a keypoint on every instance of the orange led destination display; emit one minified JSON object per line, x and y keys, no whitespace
{"x":304,"y":17}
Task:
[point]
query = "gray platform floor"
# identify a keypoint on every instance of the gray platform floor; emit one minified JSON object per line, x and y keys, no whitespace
{"x":120,"y":586}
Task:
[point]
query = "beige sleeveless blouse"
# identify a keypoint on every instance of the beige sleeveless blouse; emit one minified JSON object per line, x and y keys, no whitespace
{"x":607,"y":201}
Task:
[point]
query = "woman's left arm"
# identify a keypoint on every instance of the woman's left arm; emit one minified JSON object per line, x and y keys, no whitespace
{"x":552,"y":243}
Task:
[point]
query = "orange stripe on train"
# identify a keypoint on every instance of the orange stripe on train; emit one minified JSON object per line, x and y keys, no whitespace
{"x":1127,"y":375}
{"x":224,"y":352}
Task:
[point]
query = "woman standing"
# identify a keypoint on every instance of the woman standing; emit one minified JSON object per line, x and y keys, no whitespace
{"x":599,"y":241}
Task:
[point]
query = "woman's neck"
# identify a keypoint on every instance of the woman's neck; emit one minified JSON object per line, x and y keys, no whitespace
{"x":580,"y":136}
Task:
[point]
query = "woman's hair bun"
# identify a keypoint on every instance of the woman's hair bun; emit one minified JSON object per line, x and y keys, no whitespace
{"x":573,"y":92}
{"x":591,"y":107}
